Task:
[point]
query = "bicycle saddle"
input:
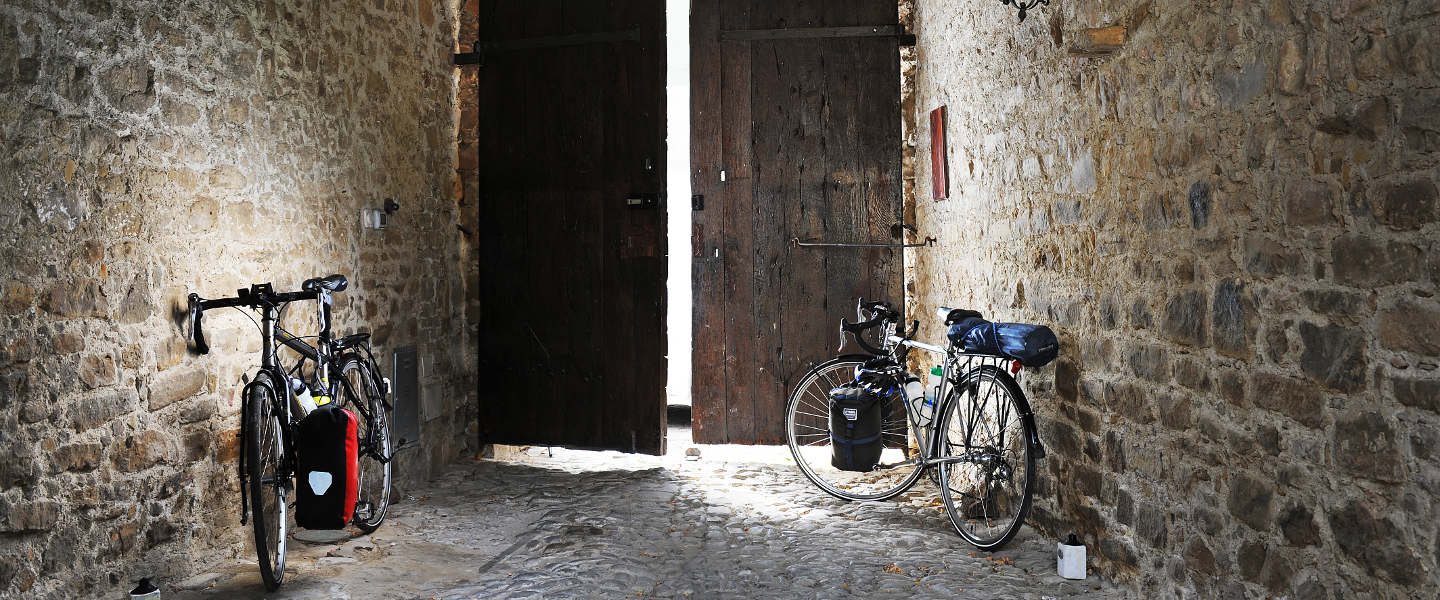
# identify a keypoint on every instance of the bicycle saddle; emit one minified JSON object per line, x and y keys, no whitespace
{"x":334,"y":283}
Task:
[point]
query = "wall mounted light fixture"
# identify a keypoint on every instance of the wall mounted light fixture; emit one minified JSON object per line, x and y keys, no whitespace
{"x":1025,"y":5}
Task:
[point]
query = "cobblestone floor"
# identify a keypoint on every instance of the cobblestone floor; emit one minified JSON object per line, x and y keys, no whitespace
{"x":737,"y":523}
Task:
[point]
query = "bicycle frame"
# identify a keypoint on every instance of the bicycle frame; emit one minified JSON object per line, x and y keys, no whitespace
{"x":952,"y":366}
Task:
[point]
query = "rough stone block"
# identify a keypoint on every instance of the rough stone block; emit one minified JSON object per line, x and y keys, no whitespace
{"x":97,"y":371}
{"x":1288,"y":397}
{"x":1269,"y":439}
{"x":76,"y":298}
{"x":1339,"y":305}
{"x":129,"y":87}
{"x":1408,"y":207}
{"x":1085,"y":480}
{"x":1232,"y":387}
{"x":1140,"y":315}
{"x":197,"y":411}
{"x":1067,"y":376}
{"x":1267,"y":258}
{"x":1149,"y":362}
{"x":1185,"y":319}
{"x":1160,"y":212}
{"x":1418,"y":393}
{"x":17,"y":298}
{"x":1251,"y":500}
{"x":14,"y":385}
{"x":93,"y":411}
{"x":1150,"y":526}
{"x":68,"y":343}
{"x":1415,"y":9}
{"x":1419,"y":120}
{"x":170,"y":351}
{"x":1193,"y":375}
{"x":1082,"y":173}
{"x":1199,"y":199}
{"x":1131,"y":401}
{"x":1363,"y":262}
{"x":1290,"y":69}
{"x":1411,"y":326}
{"x":1233,"y":319}
{"x":78,"y":457}
{"x":1310,"y":203}
{"x":1335,"y":356}
{"x":1251,"y":560}
{"x":1375,"y":544}
{"x":1199,"y":557}
{"x":136,"y":306}
{"x":1175,"y":412}
{"x":141,"y":451}
{"x":1365,"y":446}
{"x":28,"y":516}
{"x":1238,"y":88}
{"x":1425,"y":444}
{"x":1298,"y":526}
{"x":173,"y":386}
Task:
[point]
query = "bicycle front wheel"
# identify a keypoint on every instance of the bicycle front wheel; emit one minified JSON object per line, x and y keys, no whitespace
{"x":807,"y":429}
{"x":374,"y":447}
{"x":265,"y":455}
{"x":988,"y":473}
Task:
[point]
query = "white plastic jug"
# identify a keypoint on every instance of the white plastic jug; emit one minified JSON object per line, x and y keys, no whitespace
{"x":1070,"y":558}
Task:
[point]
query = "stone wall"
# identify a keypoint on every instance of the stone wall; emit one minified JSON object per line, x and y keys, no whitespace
{"x":151,"y":149}
{"x":1227,"y":210}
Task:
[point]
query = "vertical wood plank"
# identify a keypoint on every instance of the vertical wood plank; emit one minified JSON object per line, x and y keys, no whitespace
{"x":708,"y":386}
{"x":788,"y":149}
{"x":737,"y":129}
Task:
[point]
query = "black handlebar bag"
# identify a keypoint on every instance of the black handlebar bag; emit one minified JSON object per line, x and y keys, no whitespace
{"x":855,"y":428}
{"x":326,"y":468}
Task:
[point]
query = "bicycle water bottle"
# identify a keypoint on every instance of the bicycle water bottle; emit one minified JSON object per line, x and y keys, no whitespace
{"x":302,"y":396}
{"x":914,"y":394}
{"x":927,"y":410}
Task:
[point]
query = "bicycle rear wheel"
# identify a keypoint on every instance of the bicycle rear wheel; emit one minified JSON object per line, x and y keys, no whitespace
{"x":987,"y":492}
{"x":807,"y":429}
{"x":265,"y":455}
{"x":374,"y":446}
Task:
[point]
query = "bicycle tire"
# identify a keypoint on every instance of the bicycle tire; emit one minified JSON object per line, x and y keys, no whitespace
{"x":374,"y":444}
{"x":265,"y":454}
{"x":807,"y":431}
{"x":988,"y":496}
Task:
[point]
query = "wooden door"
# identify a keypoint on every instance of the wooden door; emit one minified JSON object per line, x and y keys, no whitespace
{"x":795,"y":134}
{"x":572,"y":337}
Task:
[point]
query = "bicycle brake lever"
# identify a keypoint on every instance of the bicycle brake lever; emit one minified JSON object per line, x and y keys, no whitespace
{"x":855,"y":329}
{"x":196,"y":316}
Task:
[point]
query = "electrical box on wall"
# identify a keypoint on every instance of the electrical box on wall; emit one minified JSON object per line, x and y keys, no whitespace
{"x":405,"y":430}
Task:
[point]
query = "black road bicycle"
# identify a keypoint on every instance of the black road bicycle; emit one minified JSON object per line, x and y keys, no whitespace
{"x":977,"y":433}
{"x":343,"y":370}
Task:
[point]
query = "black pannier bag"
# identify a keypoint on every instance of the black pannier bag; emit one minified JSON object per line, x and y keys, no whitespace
{"x":326,"y":469}
{"x":855,"y":428}
{"x":1032,"y":345}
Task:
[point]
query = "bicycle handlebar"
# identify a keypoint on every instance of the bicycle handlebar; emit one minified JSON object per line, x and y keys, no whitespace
{"x":257,"y":296}
{"x":880,"y":312}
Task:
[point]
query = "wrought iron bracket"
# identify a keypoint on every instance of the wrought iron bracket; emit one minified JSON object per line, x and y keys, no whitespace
{"x":929,"y":241}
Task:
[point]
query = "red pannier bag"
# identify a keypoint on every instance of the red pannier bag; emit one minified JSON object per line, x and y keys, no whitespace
{"x":326,"y":469}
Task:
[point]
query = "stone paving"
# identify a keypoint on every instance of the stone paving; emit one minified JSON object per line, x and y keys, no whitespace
{"x":737,"y":523}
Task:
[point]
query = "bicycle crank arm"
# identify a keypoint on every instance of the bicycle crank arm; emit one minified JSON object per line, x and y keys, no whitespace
{"x":913,"y":461}
{"x":965,"y":458}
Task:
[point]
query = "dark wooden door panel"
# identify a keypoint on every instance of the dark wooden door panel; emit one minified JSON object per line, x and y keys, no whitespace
{"x":571,"y":121}
{"x":790,"y":138}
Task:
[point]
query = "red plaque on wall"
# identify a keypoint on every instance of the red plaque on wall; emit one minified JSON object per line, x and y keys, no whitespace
{"x":939,"y":180}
